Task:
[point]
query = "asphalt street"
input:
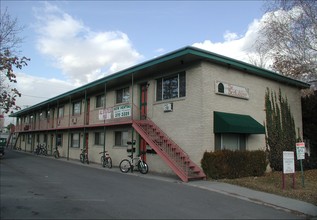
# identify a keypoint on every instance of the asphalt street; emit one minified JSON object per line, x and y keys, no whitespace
{"x":39,"y":187}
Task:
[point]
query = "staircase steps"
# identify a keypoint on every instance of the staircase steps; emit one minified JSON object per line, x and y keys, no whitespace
{"x":168,"y":150}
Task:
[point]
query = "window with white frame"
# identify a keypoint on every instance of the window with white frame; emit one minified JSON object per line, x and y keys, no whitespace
{"x":75,"y":140}
{"x":230,"y":141}
{"x":122,"y":95}
{"x":121,"y":138}
{"x":100,"y":101}
{"x":76,"y":108}
{"x":99,"y":138}
{"x":171,"y":87}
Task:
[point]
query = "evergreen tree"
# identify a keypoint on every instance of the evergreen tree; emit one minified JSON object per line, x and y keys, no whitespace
{"x":280,"y":128}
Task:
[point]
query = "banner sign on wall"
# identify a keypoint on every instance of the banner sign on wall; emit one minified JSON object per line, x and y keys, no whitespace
{"x":105,"y":114}
{"x":122,"y":111}
{"x":115,"y":112}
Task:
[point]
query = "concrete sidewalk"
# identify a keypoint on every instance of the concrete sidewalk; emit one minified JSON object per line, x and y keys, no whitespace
{"x":258,"y":197}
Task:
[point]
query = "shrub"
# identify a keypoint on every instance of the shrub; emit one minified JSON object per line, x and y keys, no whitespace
{"x":233,"y":164}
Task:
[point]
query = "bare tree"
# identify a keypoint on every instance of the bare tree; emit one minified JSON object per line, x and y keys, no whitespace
{"x":289,"y":36}
{"x":9,"y":43}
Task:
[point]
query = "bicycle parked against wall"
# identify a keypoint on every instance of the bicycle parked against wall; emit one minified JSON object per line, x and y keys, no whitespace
{"x":41,"y":149}
{"x":134,"y":162}
{"x":56,"y":153}
{"x":105,"y":159}
{"x":84,"y":156}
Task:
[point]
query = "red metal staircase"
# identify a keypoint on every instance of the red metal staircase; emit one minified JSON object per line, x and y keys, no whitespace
{"x":168,"y":150}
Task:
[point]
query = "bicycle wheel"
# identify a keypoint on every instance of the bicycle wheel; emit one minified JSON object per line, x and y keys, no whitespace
{"x":108,"y":162}
{"x":143,"y":167}
{"x":86,"y":159}
{"x":56,"y":154}
{"x":125,"y":166}
{"x":82,"y":157}
{"x":102,"y":160}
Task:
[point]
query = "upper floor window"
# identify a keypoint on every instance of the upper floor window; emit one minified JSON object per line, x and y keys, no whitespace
{"x":76,"y":108}
{"x":171,"y":87}
{"x":61,"y":111}
{"x":123,"y":95}
{"x":100,"y":100}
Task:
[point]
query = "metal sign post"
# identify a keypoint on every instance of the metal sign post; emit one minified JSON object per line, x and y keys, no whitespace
{"x":300,"y":152}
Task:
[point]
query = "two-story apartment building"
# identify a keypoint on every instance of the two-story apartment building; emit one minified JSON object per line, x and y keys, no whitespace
{"x":175,"y":107}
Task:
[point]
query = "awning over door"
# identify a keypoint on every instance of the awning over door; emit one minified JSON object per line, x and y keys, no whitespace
{"x":235,"y":123}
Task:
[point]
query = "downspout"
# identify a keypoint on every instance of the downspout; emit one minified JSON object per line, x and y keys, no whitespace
{"x":70,"y":105}
{"x":85,"y":144}
{"x":132,"y":136}
{"x":104,"y":122}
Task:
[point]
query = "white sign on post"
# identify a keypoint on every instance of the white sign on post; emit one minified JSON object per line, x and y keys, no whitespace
{"x":288,"y":162}
{"x":300,"y":151}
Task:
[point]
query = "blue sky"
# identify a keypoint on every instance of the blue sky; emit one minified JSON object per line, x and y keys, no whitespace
{"x":71,"y":43}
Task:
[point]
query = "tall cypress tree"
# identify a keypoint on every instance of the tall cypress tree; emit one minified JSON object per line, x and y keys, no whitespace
{"x":280,"y":128}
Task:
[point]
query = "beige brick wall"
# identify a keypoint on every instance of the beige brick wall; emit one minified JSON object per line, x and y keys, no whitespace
{"x":190,"y":124}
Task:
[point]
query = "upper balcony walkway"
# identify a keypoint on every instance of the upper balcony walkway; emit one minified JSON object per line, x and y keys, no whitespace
{"x":115,"y":115}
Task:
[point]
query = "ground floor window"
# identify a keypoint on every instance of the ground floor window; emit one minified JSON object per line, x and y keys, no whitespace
{"x":75,"y":140}
{"x":59,"y":140}
{"x":29,"y":139}
{"x":230,"y":141}
{"x":99,"y":138}
{"x":121,"y":138}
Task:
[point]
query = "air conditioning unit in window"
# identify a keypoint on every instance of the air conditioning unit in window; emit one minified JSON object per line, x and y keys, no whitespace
{"x":74,"y":120}
{"x":168,"y":107}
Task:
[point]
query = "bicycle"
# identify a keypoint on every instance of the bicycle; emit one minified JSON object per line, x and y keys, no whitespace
{"x":130,"y":164}
{"x":105,"y":159}
{"x":56,"y":153}
{"x":84,"y":156}
{"x":41,"y":149}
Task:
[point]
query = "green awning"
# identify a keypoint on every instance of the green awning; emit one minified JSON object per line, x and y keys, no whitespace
{"x":235,"y":123}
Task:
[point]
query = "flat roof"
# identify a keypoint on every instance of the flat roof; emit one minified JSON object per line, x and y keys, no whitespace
{"x":187,"y":54}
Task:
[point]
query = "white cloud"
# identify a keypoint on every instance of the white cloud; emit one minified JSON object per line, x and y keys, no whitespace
{"x":82,"y":54}
{"x":38,"y":89}
{"x":235,"y":46}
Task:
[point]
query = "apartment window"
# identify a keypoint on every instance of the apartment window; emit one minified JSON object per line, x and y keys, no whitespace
{"x":75,"y":141}
{"x":171,"y":87}
{"x":123,"y":95}
{"x":121,"y":138}
{"x":61,"y":112}
{"x":100,"y":100}
{"x":99,"y":138}
{"x":59,"y":140}
{"x":230,"y":141}
{"x":76,"y":108}
{"x":29,"y":139}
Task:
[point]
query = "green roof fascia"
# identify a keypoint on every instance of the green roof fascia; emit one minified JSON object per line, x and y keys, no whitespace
{"x":249,"y":67}
{"x":169,"y":56}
